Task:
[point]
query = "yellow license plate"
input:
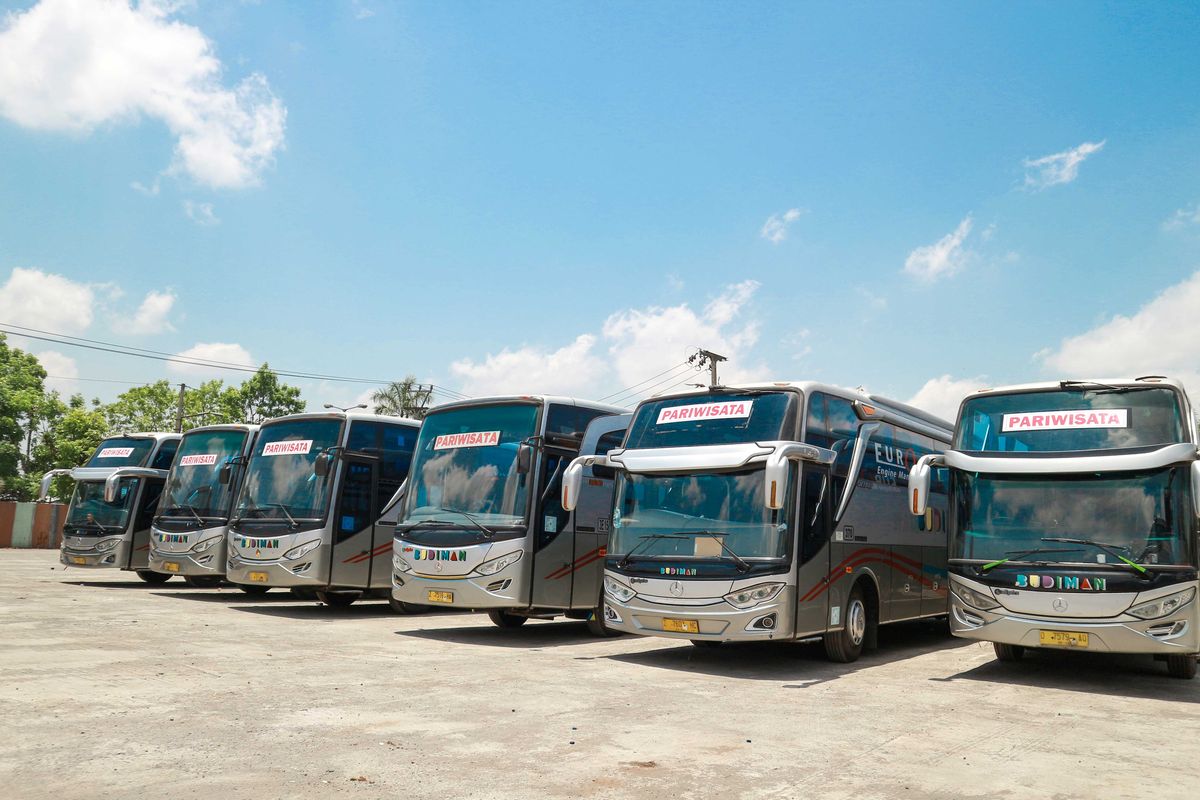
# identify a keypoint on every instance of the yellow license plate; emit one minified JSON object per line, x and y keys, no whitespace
{"x":170,"y":566}
{"x":1063,"y":638}
{"x":258,"y":577}
{"x":78,"y":560}
{"x":681,"y":625}
{"x":440,"y":597}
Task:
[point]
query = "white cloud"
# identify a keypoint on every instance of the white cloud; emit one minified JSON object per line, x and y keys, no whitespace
{"x":1183,"y":218}
{"x":200,"y":213}
{"x":1051,"y":170}
{"x":213,"y":351}
{"x":633,"y":345}
{"x":941,"y":259}
{"x":1162,"y":338}
{"x":74,"y":65}
{"x":46,"y":301}
{"x":775,"y":229}
{"x":152,"y":316}
{"x":941,"y":396}
{"x":62,"y":371}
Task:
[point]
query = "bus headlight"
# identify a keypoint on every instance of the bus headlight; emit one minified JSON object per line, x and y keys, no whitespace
{"x":302,"y":550}
{"x":200,"y":547}
{"x":1163,"y":605}
{"x":107,"y":544}
{"x":753,"y":595}
{"x":497,"y":564}
{"x":617,"y":590}
{"x":400,"y":565}
{"x":974,"y":599}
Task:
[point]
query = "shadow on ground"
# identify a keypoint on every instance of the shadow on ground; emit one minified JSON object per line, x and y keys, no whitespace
{"x":804,"y":663}
{"x":1119,"y":675}
{"x":533,"y":635}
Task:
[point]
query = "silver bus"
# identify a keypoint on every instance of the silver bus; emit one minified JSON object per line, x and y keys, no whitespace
{"x":483,"y":525}
{"x":767,"y":512}
{"x":111,"y":509}
{"x":189,"y":534}
{"x":316,"y":484}
{"x":1073,"y":519}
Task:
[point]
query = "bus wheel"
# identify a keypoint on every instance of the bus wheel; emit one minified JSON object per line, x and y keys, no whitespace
{"x":1008,"y":652}
{"x":337,"y":599}
{"x":1181,"y":667}
{"x":401,"y":607}
{"x":254,"y":591}
{"x":202,"y":581}
{"x":846,"y":645}
{"x":303,"y":593}
{"x":503,"y":619}
{"x":153,"y":578}
{"x":596,"y":625}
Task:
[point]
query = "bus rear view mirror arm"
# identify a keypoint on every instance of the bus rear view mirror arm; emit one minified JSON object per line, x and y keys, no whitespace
{"x":44,"y":489}
{"x":572,"y":480}
{"x":776,"y":471}
{"x":114,"y":479}
{"x":918,"y":482}
{"x":861,"y":442}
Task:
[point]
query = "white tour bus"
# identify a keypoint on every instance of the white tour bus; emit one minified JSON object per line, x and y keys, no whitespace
{"x":770,"y":511}
{"x":190,"y":531}
{"x":112,"y":506}
{"x":1073,"y":518}
{"x":483,"y":526}
{"x":315,"y":486}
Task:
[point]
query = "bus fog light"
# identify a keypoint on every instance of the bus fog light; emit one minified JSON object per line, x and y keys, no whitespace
{"x":617,"y":590}
{"x":974,"y":599}
{"x":753,"y":595}
{"x":1168,"y":630}
{"x":302,"y":550}
{"x":207,"y":543}
{"x":107,"y":544}
{"x":1163,"y":605}
{"x":610,"y":614}
{"x":497,"y":564}
{"x":400,"y":565}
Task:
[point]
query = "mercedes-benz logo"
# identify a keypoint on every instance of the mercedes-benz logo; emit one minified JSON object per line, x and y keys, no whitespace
{"x":676,"y":588}
{"x":437,"y":565}
{"x":1059,"y":604}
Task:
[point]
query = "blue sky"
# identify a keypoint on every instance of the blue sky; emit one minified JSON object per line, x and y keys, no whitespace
{"x":568,"y":197}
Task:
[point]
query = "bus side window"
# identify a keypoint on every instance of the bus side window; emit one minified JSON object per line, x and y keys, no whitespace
{"x":355,"y":509}
{"x":165,"y":455}
{"x":145,"y":511}
{"x":569,"y":420}
{"x":553,"y":517}
{"x":814,"y":525}
{"x":609,"y":441}
{"x":843,"y":432}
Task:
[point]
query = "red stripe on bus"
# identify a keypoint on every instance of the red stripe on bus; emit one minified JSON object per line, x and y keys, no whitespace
{"x":361,"y":557}
{"x":865,"y":557}
{"x":579,"y":562}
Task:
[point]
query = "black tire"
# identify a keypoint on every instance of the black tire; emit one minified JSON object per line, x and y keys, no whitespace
{"x":846,"y":645}
{"x":254,"y":590}
{"x":401,"y":607}
{"x":596,"y":625}
{"x":1008,"y":652}
{"x":202,"y":581}
{"x":338,"y":599}
{"x":1181,"y":667}
{"x":303,"y":593}
{"x":153,"y":578}
{"x":705,"y":644}
{"x":503,"y":619}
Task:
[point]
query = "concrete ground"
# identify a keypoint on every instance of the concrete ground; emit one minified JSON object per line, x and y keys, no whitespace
{"x":110,"y":688}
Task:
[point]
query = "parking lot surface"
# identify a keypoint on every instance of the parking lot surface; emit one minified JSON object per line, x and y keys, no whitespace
{"x":112,"y":688}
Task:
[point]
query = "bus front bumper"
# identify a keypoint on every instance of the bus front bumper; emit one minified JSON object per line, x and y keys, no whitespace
{"x":501,"y":590}
{"x":210,"y":564}
{"x":279,"y":572}
{"x":1174,"y":635}
{"x":714,"y":620}
{"x":90,"y":558}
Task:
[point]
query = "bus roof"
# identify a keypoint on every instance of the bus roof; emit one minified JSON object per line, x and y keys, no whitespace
{"x":1045,"y":386}
{"x":225,"y":426}
{"x":346,"y":415}
{"x":157,"y":436}
{"x":541,"y":398}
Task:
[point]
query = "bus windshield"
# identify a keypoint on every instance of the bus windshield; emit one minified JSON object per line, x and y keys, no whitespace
{"x":700,"y":515}
{"x":466,"y":462}
{"x":716,"y":418}
{"x":121,"y":451}
{"x":89,"y":513}
{"x":280,"y":480}
{"x":1139,"y":515}
{"x":194,"y":488}
{"x":1079,"y":417}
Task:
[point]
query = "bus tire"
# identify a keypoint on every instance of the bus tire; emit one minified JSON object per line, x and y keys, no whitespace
{"x":338,"y":599}
{"x":254,"y":591}
{"x":153,"y":578}
{"x":202,"y":581}
{"x":401,"y":607}
{"x":303,"y":593}
{"x":846,"y":645}
{"x":1008,"y":652}
{"x":1181,"y":666}
{"x":596,"y":625}
{"x":503,"y":619}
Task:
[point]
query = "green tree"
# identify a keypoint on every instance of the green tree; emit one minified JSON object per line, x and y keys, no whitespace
{"x":405,"y":398}
{"x":143,"y":408}
{"x":71,"y":437}
{"x":263,"y":396}
{"x":24,"y":408}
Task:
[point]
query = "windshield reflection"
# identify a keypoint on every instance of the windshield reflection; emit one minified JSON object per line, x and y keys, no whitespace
{"x":89,"y":509}
{"x":195,"y":486}
{"x":280,"y":479}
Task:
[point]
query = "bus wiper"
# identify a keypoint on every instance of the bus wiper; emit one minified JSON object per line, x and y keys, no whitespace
{"x":190,"y":508}
{"x":642,"y":543}
{"x":283,"y":508}
{"x":488,"y":532}
{"x":742,"y":564}
{"x":1022,"y":553}
{"x":1101,"y":388}
{"x":1111,"y":549}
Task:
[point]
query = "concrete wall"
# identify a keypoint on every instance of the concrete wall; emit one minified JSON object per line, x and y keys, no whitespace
{"x":31,"y":524}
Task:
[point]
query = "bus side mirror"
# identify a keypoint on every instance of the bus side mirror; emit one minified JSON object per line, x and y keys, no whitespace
{"x":1196,"y":487}
{"x":225,"y":474}
{"x":918,"y":488}
{"x":572,"y":483}
{"x":110,"y":488}
{"x":322,"y":464}
{"x":524,"y":458}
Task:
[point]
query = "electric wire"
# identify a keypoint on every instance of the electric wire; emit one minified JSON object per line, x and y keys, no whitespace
{"x":639,"y":383}
{"x":676,"y":375}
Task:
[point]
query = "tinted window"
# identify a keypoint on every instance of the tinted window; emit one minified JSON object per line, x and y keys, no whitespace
{"x":570,"y":420}
{"x":356,"y":510}
{"x":553,"y":516}
{"x":712,"y":419}
{"x":393,"y":445}
{"x":833,"y":424}
{"x":122,"y":451}
{"x":165,"y":455}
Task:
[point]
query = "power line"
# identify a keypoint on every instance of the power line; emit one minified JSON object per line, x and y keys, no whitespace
{"x":639,"y":383}
{"x":675,"y":375}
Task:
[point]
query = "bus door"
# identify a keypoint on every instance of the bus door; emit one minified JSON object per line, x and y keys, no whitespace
{"x":146,"y":508}
{"x":353,"y":528}
{"x":591,"y":522}
{"x":813,"y":548}
{"x":553,"y":546}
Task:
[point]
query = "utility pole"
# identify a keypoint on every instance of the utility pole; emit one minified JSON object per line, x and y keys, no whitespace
{"x":179,"y":409}
{"x":707,"y":358}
